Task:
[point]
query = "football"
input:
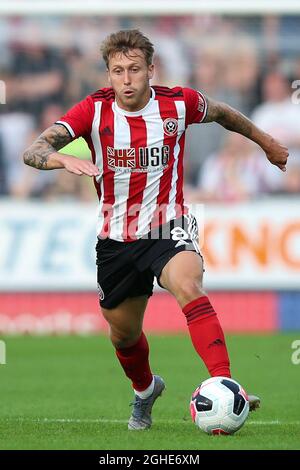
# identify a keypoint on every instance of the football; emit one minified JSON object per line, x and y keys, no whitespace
{"x":219,"y":405}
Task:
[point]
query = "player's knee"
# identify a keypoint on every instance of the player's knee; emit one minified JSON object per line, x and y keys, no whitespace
{"x":188,"y":290}
{"x":121,"y":341}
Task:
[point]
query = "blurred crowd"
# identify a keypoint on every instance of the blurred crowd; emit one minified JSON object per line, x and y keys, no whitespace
{"x":49,"y":64}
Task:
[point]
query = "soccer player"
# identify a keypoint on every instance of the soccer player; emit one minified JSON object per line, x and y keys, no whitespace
{"x":136,"y":136}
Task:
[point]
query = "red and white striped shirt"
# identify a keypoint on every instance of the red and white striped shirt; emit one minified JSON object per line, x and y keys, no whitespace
{"x":139,"y":156}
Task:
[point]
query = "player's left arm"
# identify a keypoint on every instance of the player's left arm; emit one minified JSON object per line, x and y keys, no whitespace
{"x":235,"y":121}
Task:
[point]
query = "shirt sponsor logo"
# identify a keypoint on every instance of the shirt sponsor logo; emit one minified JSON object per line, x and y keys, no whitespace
{"x":141,"y":159}
{"x":121,"y":158}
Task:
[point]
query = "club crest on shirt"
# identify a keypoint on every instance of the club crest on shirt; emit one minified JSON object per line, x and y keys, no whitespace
{"x":170,"y":126}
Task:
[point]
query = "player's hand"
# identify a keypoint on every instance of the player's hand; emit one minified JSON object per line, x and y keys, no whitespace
{"x":79,"y":167}
{"x":277,"y":153}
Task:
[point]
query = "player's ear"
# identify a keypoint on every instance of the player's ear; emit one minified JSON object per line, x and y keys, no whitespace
{"x":150,"y":71}
{"x":108,"y":76}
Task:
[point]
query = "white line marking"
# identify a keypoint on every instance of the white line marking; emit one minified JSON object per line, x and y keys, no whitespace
{"x":161,"y":421}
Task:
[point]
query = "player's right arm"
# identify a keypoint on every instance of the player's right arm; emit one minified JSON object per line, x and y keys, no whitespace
{"x":43,"y":153}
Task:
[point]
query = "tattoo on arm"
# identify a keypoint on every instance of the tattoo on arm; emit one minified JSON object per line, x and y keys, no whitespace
{"x":50,"y":141}
{"x":229,"y":118}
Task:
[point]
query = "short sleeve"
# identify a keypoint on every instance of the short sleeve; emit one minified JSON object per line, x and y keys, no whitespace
{"x":196,"y":106}
{"x":78,"y":120}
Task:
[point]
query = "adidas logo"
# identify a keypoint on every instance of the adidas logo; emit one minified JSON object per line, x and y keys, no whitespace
{"x":106,"y":131}
{"x":216,"y":342}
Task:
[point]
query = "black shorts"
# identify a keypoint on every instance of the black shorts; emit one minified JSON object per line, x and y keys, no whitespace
{"x":127,"y":269}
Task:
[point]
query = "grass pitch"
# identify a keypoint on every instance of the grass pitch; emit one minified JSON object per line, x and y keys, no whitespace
{"x":70,"y":393}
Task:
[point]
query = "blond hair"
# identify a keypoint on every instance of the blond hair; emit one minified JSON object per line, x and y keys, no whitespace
{"x":124,"y":41}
